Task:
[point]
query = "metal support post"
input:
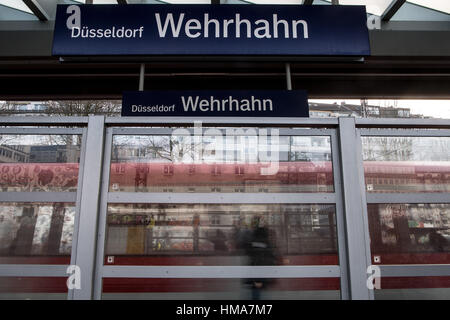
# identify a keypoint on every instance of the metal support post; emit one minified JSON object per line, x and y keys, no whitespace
{"x":355,"y":210}
{"x":141,"y":77}
{"x":89,"y":208}
{"x":288,"y":76}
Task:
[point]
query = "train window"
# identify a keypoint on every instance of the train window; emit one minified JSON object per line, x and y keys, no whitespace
{"x":421,"y":163}
{"x":289,"y":164}
{"x":221,"y":234}
{"x":410,"y":233}
{"x":36,"y":232}
{"x":39,"y":162}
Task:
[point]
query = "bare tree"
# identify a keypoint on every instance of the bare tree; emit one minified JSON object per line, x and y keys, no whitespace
{"x":83,"y":108}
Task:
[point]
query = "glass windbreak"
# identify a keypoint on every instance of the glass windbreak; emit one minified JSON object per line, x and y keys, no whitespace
{"x":39,"y":162}
{"x":410,"y":233}
{"x":222,"y":289}
{"x":252,"y":163}
{"x":36,"y":232}
{"x":406,"y":164}
{"x":221,"y":234}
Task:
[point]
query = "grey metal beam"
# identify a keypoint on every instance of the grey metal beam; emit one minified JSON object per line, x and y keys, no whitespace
{"x":32,"y":270}
{"x":190,"y":131}
{"x":38,"y":196}
{"x":308,"y":2}
{"x":167,"y":197}
{"x":355,"y":210}
{"x":221,"y":271}
{"x":402,"y":123}
{"x":405,"y":132}
{"x":408,"y":198}
{"x":392,"y":9}
{"x":423,"y":270}
{"x":88,"y":214}
{"x":262,"y":121}
{"x":37,"y":9}
{"x":43,"y":121}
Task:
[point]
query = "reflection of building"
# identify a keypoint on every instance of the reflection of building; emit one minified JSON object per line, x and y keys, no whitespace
{"x":55,"y":154}
{"x":320,"y":110}
{"x":14,"y":153}
{"x":24,"y":107}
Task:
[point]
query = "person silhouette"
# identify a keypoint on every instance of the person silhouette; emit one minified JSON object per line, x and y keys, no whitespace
{"x":260,"y":252}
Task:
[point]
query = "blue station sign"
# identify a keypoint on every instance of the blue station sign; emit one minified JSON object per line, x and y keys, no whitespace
{"x":216,"y":103}
{"x":152,"y":30}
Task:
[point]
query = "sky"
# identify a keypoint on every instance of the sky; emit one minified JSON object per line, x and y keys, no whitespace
{"x":430,"y":108}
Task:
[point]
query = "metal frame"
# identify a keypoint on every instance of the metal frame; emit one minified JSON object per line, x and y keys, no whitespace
{"x":90,"y":200}
{"x":37,"y":270}
{"x":349,"y":197}
{"x":221,"y":272}
{"x":104,"y":271}
{"x":357,"y":241}
{"x":411,"y":128}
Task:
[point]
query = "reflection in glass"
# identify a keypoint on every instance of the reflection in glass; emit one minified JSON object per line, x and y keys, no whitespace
{"x":221,"y":234}
{"x":414,"y":288}
{"x":221,"y":164}
{"x":32,"y":229}
{"x":33,"y":288}
{"x":407,"y":164}
{"x":219,"y":289}
{"x":410,"y":233}
{"x":39,"y":162}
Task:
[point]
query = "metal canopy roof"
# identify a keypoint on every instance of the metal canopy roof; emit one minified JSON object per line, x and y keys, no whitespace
{"x":406,"y":10}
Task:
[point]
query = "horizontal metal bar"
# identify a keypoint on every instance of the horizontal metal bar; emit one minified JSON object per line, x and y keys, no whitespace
{"x":402,"y":123}
{"x":221,"y":272}
{"x":408,"y":197}
{"x":38,"y":196}
{"x":41,"y":131}
{"x":43,"y":121}
{"x":169,"y":131}
{"x":423,"y":270}
{"x":33,"y":270}
{"x":189,"y":121}
{"x":164,"y":197}
{"x":405,"y":132}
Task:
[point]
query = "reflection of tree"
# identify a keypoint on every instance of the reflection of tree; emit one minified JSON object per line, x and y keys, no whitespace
{"x":388,"y":149}
{"x":66,"y":108}
{"x":170,"y":148}
{"x":82,"y":108}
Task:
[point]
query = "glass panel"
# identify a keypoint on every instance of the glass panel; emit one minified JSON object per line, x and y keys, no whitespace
{"x":218,"y":289}
{"x":406,"y":164}
{"x":39,"y":162}
{"x":221,"y":164}
{"x":414,"y":288}
{"x":38,"y":233}
{"x":221,"y":234}
{"x":410,"y":233}
{"x":33,"y":288}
